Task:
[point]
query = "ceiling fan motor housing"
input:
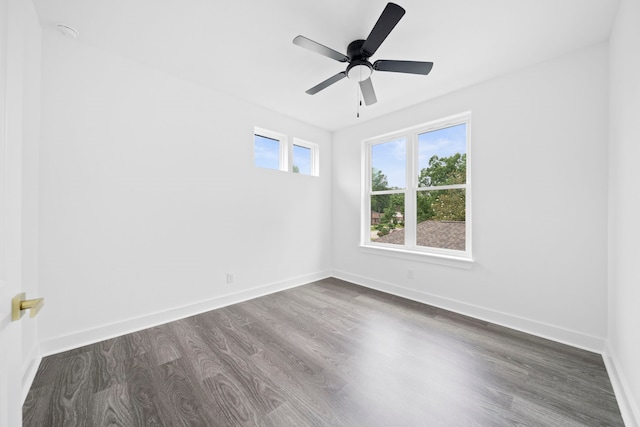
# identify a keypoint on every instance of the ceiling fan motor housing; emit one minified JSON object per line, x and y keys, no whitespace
{"x":359,"y":67}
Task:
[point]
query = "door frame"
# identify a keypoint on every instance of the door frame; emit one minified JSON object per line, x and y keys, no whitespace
{"x":12,"y":15}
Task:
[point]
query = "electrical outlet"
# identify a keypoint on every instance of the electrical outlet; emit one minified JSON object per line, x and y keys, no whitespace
{"x":229,"y":278}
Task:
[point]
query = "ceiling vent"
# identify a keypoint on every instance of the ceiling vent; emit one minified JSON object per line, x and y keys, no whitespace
{"x":68,"y":31}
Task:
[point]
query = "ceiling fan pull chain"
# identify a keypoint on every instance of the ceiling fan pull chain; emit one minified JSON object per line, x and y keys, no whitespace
{"x":358,"y":103}
{"x":359,"y":99}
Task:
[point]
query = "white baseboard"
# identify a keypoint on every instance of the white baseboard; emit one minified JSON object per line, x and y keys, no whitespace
{"x":628,"y":406}
{"x":93,"y":335}
{"x":543,"y":330}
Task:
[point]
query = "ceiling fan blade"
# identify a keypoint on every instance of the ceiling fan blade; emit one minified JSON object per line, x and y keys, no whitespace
{"x":321,"y":49}
{"x":368,"y":93}
{"x":325,"y":84}
{"x":391,"y":15}
{"x":411,"y":67}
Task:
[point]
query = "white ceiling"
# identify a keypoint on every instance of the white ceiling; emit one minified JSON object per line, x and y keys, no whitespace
{"x":244,"y":47}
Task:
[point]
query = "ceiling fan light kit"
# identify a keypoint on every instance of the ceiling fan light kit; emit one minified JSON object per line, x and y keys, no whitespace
{"x":360,"y":68}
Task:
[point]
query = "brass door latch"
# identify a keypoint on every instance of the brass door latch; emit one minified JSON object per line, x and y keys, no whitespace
{"x":19,"y":304}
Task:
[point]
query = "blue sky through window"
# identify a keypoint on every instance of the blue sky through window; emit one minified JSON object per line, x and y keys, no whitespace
{"x":266,"y":152}
{"x":391,"y":158}
{"x":442,"y":143}
{"x":302,"y":159}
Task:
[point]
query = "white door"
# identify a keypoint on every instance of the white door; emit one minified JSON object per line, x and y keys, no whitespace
{"x":10,"y":212}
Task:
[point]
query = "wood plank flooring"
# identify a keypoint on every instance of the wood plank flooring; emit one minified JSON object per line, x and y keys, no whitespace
{"x":326,"y":354}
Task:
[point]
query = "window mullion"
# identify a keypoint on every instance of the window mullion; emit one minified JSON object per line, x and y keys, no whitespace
{"x":410,"y":194}
{"x":286,"y":153}
{"x":382,"y":192}
{"x":366,"y":194}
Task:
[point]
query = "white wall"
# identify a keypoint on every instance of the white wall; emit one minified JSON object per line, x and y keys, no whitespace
{"x":624,"y":229}
{"x":149,"y":196}
{"x":539,"y":169}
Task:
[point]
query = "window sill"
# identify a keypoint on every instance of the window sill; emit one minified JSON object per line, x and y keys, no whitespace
{"x":431,"y":258}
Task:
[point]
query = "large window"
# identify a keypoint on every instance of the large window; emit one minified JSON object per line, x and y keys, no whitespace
{"x":417,"y":189}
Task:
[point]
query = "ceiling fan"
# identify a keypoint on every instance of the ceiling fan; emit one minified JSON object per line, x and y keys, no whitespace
{"x":359,"y":52}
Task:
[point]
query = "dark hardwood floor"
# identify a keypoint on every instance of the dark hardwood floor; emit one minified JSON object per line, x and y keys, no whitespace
{"x":326,"y":354}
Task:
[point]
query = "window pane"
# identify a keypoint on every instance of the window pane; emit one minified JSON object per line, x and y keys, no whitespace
{"x":441,"y":219}
{"x":443,"y":156}
{"x":266,"y":152}
{"x":387,"y":218}
{"x":301,"y":160}
{"x":388,"y":165}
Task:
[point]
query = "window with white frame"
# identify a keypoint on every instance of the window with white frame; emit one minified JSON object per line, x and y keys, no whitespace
{"x":272,"y":150}
{"x":304,"y":157}
{"x":269,"y":149}
{"x":417,"y":189}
